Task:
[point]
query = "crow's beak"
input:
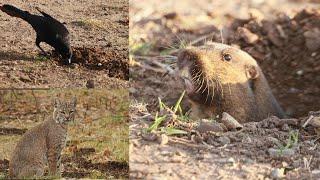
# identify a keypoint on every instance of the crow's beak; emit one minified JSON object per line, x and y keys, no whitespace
{"x":69,"y":60}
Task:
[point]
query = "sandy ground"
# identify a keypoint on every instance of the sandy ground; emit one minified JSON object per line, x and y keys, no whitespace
{"x":269,"y":149}
{"x":102,"y":25}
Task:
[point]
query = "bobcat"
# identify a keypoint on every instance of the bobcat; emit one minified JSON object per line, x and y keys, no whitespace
{"x":42,"y":145}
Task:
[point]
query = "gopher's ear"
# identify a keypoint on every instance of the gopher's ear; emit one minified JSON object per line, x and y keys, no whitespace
{"x":252,"y":72}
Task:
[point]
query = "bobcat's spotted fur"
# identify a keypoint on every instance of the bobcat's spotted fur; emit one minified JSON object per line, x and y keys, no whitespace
{"x":42,"y":145}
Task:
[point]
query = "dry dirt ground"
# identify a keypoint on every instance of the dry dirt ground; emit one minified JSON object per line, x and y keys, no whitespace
{"x":97,"y":143}
{"x":283,"y":36}
{"x":99,"y":38}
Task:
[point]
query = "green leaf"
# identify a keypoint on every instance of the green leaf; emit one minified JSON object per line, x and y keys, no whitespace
{"x":157,"y":122}
{"x":177,"y":106}
{"x":173,"y":131}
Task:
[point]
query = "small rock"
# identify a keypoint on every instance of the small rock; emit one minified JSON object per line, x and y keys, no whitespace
{"x":312,"y":39}
{"x":293,"y":90}
{"x":133,"y":90}
{"x":275,"y":141}
{"x":275,"y":153}
{"x":248,"y":161}
{"x":176,"y":159}
{"x":230,"y":122}
{"x":230,"y":160}
{"x":226,"y":161}
{"x":285,"y":127}
{"x":277,"y":173}
{"x":163,"y":139}
{"x":247,"y":35}
{"x":149,"y":136}
{"x":166,"y":153}
{"x":207,"y":126}
{"x":223,"y":140}
{"x":90,"y":84}
{"x":197,"y":139}
{"x":316,"y":172}
{"x":300,"y":72}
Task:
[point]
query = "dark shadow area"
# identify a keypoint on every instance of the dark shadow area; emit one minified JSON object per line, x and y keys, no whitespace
{"x":12,"y":131}
{"x":78,"y":166}
{"x":13,"y":56}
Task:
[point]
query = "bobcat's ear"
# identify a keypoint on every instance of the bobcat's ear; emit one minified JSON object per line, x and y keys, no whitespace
{"x":74,"y":101}
{"x":56,"y":102}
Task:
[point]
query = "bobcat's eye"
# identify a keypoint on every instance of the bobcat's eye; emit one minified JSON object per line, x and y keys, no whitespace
{"x":227,"y":57}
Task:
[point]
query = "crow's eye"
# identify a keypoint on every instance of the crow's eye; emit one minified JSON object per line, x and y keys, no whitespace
{"x":227,"y":57}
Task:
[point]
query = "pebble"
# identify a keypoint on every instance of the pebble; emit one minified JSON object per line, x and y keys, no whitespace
{"x":300,"y":72}
{"x":149,"y":136}
{"x":223,"y":140}
{"x":278,"y":153}
{"x":207,"y":126}
{"x":163,"y":139}
{"x":277,"y":173}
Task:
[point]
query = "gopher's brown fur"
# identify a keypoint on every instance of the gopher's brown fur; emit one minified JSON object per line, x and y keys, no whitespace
{"x":220,"y":78}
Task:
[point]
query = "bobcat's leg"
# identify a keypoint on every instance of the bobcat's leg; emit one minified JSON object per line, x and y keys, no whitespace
{"x":54,"y":161}
{"x":29,"y":172}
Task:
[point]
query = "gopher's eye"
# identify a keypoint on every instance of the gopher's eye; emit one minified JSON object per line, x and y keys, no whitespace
{"x":227,"y":57}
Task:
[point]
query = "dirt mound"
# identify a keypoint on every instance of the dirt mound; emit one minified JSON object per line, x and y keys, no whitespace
{"x":287,"y":49}
{"x":113,"y":61}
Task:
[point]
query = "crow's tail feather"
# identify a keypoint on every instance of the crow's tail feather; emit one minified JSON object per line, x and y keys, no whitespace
{"x":15,"y":12}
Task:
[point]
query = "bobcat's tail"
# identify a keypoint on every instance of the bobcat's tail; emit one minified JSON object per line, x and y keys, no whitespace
{"x":15,"y":12}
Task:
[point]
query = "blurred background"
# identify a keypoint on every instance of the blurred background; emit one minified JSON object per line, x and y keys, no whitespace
{"x":282,"y":35}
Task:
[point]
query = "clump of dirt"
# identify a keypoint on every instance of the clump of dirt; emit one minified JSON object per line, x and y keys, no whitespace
{"x":287,"y":50}
{"x":112,"y":61}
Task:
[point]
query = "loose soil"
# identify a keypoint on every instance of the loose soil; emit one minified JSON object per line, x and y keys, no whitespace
{"x":286,"y":46}
{"x":99,"y":38}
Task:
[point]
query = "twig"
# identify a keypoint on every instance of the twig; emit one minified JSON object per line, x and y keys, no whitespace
{"x":189,"y":144}
{"x":308,"y":120}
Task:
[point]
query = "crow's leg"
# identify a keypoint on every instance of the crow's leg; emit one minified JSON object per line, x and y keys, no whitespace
{"x":38,"y":45}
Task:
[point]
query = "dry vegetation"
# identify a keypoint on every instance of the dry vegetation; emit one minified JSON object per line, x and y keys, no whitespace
{"x":97,"y":145}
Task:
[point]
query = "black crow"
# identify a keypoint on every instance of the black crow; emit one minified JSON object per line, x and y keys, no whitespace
{"x":48,"y":29}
